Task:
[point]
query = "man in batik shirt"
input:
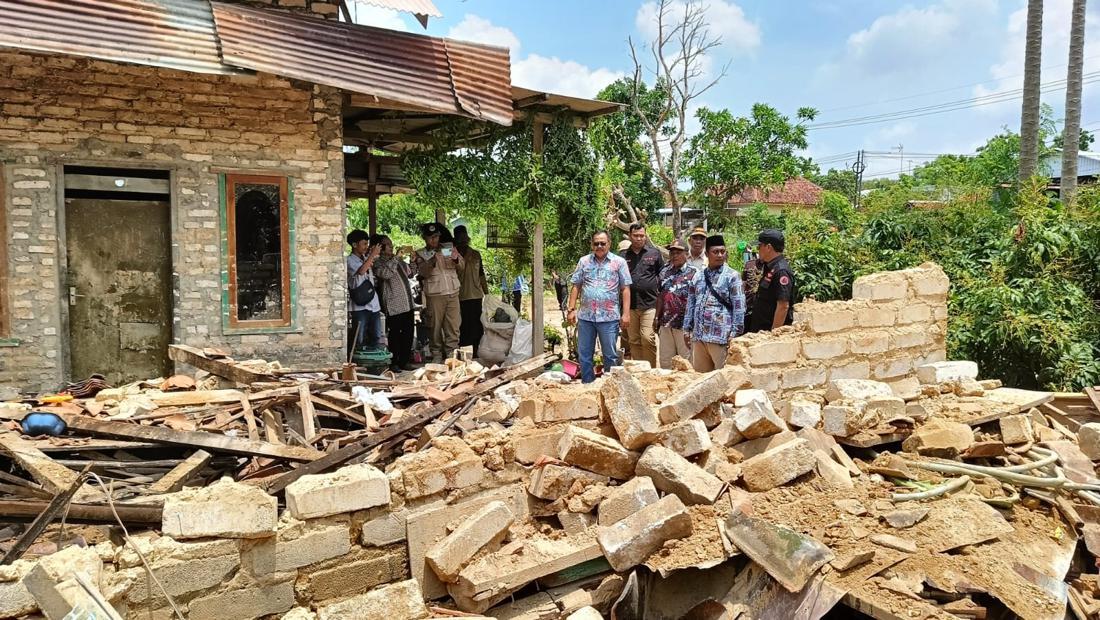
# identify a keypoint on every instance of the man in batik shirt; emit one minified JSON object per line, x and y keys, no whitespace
{"x":594,"y":307}
{"x":716,"y":309}
{"x":674,"y":290}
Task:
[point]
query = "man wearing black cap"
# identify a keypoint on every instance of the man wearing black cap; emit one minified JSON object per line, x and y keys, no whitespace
{"x":715,"y":310}
{"x":437,"y":264}
{"x":773,"y":306}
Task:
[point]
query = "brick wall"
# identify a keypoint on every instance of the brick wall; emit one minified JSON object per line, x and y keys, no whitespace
{"x":57,"y":110}
{"x":895,"y":321}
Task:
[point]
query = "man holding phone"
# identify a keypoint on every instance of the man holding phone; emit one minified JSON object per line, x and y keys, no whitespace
{"x":598,"y":282}
{"x":437,"y":263}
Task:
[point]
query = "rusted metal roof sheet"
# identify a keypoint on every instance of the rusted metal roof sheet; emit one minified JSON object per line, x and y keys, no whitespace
{"x":178,"y":34}
{"x":416,"y":7}
{"x":428,"y":72}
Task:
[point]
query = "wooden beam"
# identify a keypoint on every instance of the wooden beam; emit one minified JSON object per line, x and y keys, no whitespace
{"x":187,"y":439}
{"x":361,"y":447}
{"x":372,"y":196}
{"x":611,"y":109}
{"x":538,"y":315}
{"x":358,"y":135}
{"x":52,"y":510}
{"x":579,"y":122}
{"x":24,"y":509}
{"x":194,"y":357}
{"x":54,"y":477}
{"x":174,"y":480}
{"x":535,"y":99}
{"x":106,"y":183}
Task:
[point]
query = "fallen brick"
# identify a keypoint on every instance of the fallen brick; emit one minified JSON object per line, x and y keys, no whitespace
{"x":245,"y":604}
{"x":939,"y":437}
{"x":225,"y":509}
{"x":487,"y":526}
{"x":778,"y":466}
{"x":743,"y":397}
{"x":585,"y":613}
{"x":907,"y":388}
{"x":856,"y":390}
{"x":348,"y":489}
{"x":626,"y":499}
{"x":673,"y":473}
{"x":448,"y":465}
{"x":802,"y":413}
{"x":1016,"y":429}
{"x":634,"y":420}
{"x":967,"y":387}
{"x":50,"y":582}
{"x":397,"y":601}
{"x":748,"y":449}
{"x":596,"y":453}
{"x":726,"y":433}
{"x":552,"y":481}
{"x":576,"y":522}
{"x":700,"y":394}
{"x":576,"y":403}
{"x":1088,"y":438}
{"x":846,"y":418}
{"x":884,"y":408}
{"x":943,"y":372}
{"x":529,"y":442}
{"x":297,"y":544}
{"x":757,"y":419}
{"x":686,"y":438}
{"x":630,"y":541}
{"x":849,"y":561}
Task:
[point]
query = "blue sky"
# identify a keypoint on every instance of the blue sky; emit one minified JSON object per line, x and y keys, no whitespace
{"x":848,"y":59}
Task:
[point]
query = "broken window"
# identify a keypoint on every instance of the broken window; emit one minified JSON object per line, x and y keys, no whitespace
{"x":5,"y":311}
{"x":257,"y":215}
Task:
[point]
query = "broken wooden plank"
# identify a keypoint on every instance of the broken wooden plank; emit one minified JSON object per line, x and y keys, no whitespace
{"x":226,"y":370}
{"x":347,"y":413}
{"x":351,"y":451}
{"x":188,"y":439}
{"x":250,"y":419}
{"x":174,"y":480}
{"x":52,"y":510}
{"x":202,"y":397}
{"x":54,"y":477}
{"x":303,"y":419}
{"x":138,"y":514}
{"x":1094,"y":396}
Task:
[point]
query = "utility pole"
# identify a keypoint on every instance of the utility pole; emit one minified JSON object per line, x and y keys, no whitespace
{"x":858,"y":168}
{"x":901,"y":158}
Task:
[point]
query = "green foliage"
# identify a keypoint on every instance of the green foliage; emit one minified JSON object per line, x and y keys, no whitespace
{"x":617,"y":142}
{"x":841,"y":181}
{"x":730,"y":154}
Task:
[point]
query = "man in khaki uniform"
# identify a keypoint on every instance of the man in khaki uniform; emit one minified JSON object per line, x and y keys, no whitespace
{"x":438,"y":264}
{"x":473,"y":287}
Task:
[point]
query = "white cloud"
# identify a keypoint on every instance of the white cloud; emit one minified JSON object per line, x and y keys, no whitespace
{"x":480,"y":30}
{"x":565,"y":77}
{"x":893,"y":133}
{"x":726,"y":20}
{"x":368,"y":15}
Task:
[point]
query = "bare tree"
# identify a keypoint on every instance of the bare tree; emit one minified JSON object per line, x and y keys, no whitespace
{"x":679,"y":73}
{"x":1029,"y":116}
{"x":1071,"y":133}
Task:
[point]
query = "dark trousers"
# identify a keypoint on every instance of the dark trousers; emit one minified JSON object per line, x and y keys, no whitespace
{"x":517,"y":300}
{"x":399,"y":329}
{"x":366,"y":327}
{"x":470,"y":331}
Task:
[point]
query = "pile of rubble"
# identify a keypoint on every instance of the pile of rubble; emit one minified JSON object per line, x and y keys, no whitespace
{"x":648,"y":494}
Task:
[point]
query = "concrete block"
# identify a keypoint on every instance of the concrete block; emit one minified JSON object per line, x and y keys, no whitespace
{"x":626,"y":499}
{"x":385,"y":528}
{"x":225,"y":509}
{"x":576,"y":522}
{"x":50,"y":581}
{"x":884,"y":408}
{"x":1088,"y":439}
{"x":852,"y":370}
{"x":877,"y":316}
{"x":743,"y":397}
{"x":487,"y":526}
{"x":529,"y":442}
{"x":939,"y":437}
{"x":764,"y":379}
{"x":596,"y":453}
{"x":943,"y":372}
{"x":634,"y":420}
{"x":804,"y":377}
{"x":448,"y":465}
{"x":553,"y":481}
{"x":824,"y":348}
{"x":778,"y":465}
{"x":1016,"y":429}
{"x":869,"y":343}
{"x":914,"y":313}
{"x":909,"y":337}
{"x":245,"y":604}
{"x":726,"y":434}
{"x":686,"y":438}
{"x":396,"y":601}
{"x":673,"y":473}
{"x":856,"y":390}
{"x":297,"y":544}
{"x":802,"y":413}
{"x":882,"y":286}
{"x":774,"y":352}
{"x":561,"y":405}
{"x":894,"y":367}
{"x":748,"y":449}
{"x":348,"y":489}
{"x":845,"y":418}
{"x":701,"y":393}
{"x":353,"y":574}
{"x":967,"y":387}
{"x":15,"y":599}
{"x":758,"y":419}
{"x":829,"y":319}
{"x":630,"y":541}
{"x":907,"y":388}
{"x":928,"y":280}
{"x":585,"y":613}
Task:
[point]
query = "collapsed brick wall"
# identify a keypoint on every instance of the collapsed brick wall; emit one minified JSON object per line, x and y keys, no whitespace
{"x":58,"y":110}
{"x":895,"y":321}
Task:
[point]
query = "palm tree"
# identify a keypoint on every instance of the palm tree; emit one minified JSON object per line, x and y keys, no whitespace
{"x":1072,"y":131}
{"x":1029,"y":118}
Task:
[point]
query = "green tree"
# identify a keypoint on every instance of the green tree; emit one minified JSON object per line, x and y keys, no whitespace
{"x":841,"y":181}
{"x":617,"y":142}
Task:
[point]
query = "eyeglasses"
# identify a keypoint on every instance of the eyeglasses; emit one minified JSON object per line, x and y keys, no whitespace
{"x":599,"y":244}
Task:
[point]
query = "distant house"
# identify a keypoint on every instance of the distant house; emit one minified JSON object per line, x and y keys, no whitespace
{"x":1088,"y":166}
{"x":796,"y":193}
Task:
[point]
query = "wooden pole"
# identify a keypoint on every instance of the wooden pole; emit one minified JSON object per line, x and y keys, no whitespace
{"x":538,"y":316}
{"x":372,"y":196}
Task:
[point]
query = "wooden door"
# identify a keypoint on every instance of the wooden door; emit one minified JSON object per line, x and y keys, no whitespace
{"x":119,"y":288}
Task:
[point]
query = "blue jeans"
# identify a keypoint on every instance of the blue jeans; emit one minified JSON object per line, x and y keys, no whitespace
{"x":369,"y":326}
{"x":587,"y":331}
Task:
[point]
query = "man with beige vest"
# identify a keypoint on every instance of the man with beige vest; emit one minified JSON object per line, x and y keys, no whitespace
{"x":437,"y":263}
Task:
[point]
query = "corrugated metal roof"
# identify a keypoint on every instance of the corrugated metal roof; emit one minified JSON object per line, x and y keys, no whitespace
{"x":416,"y":7}
{"x":437,"y":74}
{"x":178,"y":34}
{"x":1088,"y":164}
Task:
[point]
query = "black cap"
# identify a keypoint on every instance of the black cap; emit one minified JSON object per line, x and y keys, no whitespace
{"x":431,"y":228}
{"x":715,"y":241}
{"x":356,"y":236}
{"x":772,"y":237}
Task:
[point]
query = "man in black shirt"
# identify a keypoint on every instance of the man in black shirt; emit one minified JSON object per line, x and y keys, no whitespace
{"x":645,"y":263}
{"x":774,"y":304}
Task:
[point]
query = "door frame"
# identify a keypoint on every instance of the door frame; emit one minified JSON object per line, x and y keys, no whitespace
{"x":172,"y":169}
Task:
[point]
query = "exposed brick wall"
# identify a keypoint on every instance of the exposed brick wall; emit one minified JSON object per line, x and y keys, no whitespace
{"x":58,"y":109}
{"x":896,"y":321}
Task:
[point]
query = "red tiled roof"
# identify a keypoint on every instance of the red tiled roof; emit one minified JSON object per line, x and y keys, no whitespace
{"x":796,"y":191}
